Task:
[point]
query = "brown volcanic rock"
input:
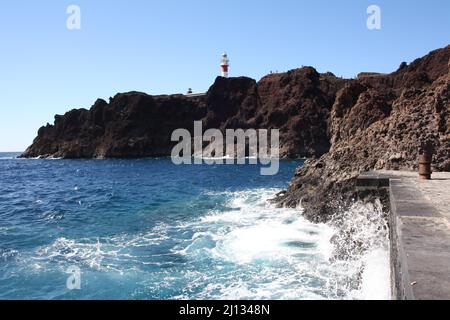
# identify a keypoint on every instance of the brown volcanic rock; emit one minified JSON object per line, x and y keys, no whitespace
{"x":378,"y":123}
{"x":131,"y":125}
{"x":231,"y":103}
{"x":298,"y":103}
{"x":138,"y":125}
{"x":358,"y":106}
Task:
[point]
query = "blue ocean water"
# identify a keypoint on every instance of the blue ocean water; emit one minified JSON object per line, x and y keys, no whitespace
{"x":147,"y":229}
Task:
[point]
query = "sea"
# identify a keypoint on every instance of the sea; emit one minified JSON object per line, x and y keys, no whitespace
{"x":147,"y":229}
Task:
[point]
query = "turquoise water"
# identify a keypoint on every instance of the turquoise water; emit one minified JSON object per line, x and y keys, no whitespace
{"x":147,"y":229}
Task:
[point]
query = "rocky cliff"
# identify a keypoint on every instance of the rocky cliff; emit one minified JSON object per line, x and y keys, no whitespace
{"x":139,"y":125}
{"x":378,"y":122}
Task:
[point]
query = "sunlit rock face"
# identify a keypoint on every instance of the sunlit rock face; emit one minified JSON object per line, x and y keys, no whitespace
{"x":378,"y":122}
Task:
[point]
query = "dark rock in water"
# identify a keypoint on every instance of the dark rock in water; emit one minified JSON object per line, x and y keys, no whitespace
{"x":378,"y":123}
{"x":130,"y":125}
{"x":139,"y":125}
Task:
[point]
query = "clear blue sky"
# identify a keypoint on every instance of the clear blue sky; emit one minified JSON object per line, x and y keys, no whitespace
{"x":168,"y":46}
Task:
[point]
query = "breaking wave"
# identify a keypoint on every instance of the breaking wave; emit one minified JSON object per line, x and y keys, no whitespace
{"x":245,"y":249}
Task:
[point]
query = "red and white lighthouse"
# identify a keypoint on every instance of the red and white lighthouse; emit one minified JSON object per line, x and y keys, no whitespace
{"x":224,"y":65}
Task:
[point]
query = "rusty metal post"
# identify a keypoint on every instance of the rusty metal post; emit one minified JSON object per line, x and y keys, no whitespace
{"x":425,"y":160}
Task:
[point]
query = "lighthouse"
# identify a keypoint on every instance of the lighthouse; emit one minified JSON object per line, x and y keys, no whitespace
{"x":224,"y":65}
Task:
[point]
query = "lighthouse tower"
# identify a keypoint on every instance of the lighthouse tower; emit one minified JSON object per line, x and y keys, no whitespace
{"x":224,"y":65}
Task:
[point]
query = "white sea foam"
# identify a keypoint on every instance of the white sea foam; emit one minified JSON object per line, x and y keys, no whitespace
{"x":6,"y":254}
{"x":103,"y":254}
{"x":283,"y":256}
{"x":251,"y":250}
{"x":35,"y":158}
{"x":267,"y":234}
{"x":361,"y":242}
{"x":258,"y":233}
{"x":376,"y":276}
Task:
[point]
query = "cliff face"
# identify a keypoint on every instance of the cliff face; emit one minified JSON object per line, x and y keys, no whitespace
{"x":299,"y":103}
{"x":138,"y":125}
{"x":379,"y":122}
{"x":130,"y":125}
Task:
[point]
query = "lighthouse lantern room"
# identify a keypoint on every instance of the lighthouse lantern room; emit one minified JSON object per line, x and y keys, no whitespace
{"x":224,"y":65}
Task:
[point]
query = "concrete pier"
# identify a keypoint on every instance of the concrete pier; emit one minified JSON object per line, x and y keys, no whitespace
{"x":420,"y":232}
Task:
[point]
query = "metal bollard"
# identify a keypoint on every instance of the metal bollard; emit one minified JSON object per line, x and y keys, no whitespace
{"x":425,"y":161}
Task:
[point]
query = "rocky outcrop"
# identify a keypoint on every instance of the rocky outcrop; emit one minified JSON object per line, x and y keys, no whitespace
{"x":130,"y":125}
{"x":139,"y":125}
{"x":377,"y":121}
{"x":380,"y":122}
{"x":299,"y":103}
